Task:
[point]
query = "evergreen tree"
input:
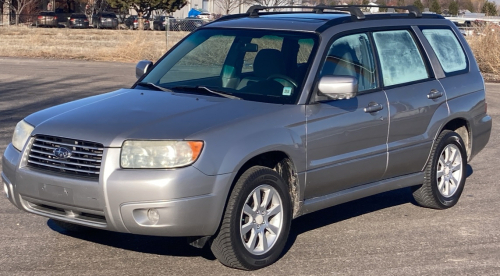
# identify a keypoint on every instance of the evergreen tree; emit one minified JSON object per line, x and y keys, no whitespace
{"x":435,"y":7}
{"x":453,"y":8}
{"x":419,"y":5}
{"x":365,"y":2}
{"x":467,"y":4}
{"x":489,"y":8}
{"x":382,"y":3}
{"x":145,"y":7}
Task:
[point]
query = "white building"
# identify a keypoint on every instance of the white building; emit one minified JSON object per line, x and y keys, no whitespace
{"x":207,"y":5}
{"x":211,"y":7}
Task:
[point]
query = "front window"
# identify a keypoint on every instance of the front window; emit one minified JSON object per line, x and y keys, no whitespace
{"x":266,"y":66}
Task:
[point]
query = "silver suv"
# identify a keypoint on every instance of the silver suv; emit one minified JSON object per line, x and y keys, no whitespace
{"x":256,"y":119}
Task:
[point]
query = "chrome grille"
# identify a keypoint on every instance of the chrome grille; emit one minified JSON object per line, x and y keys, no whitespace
{"x":85,"y":159}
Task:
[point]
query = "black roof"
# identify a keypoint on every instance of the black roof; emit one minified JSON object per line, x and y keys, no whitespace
{"x":312,"y":20}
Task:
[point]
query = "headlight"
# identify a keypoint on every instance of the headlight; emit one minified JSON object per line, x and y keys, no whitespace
{"x":21,"y":134}
{"x":159,"y":154}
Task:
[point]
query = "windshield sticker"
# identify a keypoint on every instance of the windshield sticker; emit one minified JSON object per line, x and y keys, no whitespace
{"x":287,"y":91}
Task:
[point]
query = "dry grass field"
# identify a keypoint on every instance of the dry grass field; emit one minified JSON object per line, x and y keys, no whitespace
{"x":486,"y":48}
{"x":131,"y":46}
{"x":87,"y":44}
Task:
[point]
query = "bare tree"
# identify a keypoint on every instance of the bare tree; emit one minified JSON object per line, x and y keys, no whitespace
{"x":227,"y":5}
{"x":19,"y":6}
{"x":273,"y":2}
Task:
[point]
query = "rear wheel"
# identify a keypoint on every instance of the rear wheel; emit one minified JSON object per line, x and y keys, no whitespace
{"x":445,"y":173}
{"x":256,"y":222}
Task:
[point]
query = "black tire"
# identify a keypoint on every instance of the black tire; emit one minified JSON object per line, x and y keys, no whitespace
{"x":428,"y":194}
{"x":228,"y":246}
{"x":70,"y":227}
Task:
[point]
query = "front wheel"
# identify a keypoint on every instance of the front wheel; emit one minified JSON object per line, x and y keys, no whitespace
{"x":256,"y":222}
{"x":445,"y":173}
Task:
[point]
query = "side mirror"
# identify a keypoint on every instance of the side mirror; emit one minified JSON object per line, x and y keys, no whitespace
{"x":142,"y":68}
{"x":338,"y":87}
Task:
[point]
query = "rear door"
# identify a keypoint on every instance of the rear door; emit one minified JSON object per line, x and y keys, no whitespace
{"x":414,"y":95}
{"x":346,"y":139}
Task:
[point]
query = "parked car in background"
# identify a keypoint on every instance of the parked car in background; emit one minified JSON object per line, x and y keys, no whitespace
{"x":190,"y":24}
{"x":105,"y":20}
{"x":47,"y":19}
{"x":160,"y":22}
{"x":132,"y":22}
{"x":78,"y":20}
{"x":204,"y":15}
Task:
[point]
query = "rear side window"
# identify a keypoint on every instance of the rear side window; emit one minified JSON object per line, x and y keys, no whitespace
{"x":400,"y":58}
{"x":447,"y":48}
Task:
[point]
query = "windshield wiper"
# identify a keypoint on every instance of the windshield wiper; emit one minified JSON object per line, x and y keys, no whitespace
{"x":206,"y":89}
{"x":154,"y":86}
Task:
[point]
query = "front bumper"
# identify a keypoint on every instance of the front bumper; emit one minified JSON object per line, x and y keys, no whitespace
{"x":189,"y":202}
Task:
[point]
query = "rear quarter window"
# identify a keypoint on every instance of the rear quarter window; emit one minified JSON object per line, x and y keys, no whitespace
{"x":447,"y":48}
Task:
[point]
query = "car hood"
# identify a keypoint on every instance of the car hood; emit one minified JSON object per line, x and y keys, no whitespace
{"x":142,"y":114}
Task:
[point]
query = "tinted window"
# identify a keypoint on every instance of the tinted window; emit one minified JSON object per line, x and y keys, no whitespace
{"x":109,"y":15}
{"x":400,"y":59}
{"x":78,"y":16}
{"x":265,"y":42}
{"x":256,"y":65}
{"x":206,"y":60}
{"x":48,"y":13}
{"x":447,"y":48}
{"x":352,"y":56}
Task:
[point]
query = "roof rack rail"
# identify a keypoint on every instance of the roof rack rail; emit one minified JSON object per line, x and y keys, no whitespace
{"x":354,"y":10}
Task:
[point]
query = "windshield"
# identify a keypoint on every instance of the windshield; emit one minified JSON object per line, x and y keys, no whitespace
{"x":256,"y":65}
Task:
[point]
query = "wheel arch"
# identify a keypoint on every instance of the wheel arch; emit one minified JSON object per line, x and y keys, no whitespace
{"x":280,"y":162}
{"x":462,"y":127}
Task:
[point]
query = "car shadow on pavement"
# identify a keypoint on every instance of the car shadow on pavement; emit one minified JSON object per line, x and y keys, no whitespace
{"x":171,"y":246}
{"x":174,"y":246}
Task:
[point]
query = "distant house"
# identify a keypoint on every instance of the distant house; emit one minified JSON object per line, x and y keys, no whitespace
{"x":373,"y":9}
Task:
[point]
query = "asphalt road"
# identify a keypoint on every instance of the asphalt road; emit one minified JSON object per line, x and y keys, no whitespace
{"x":386,"y":234}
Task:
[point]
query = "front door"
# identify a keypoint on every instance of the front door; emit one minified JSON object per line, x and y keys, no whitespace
{"x":346,"y":139}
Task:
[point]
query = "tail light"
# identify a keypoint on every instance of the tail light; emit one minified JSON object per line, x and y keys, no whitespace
{"x":135,"y":21}
{"x":85,"y":20}
{"x":55,"y":17}
{"x":40,"y":17}
{"x":147,"y":21}
{"x":72,"y":20}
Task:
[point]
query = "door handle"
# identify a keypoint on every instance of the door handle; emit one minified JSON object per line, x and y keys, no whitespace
{"x":373,"y":107}
{"x":434,"y":94}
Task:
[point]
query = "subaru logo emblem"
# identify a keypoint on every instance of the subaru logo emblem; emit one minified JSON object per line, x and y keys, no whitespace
{"x":62,"y":153}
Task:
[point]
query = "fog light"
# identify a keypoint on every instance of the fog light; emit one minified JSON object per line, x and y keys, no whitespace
{"x":6,"y":189}
{"x":153,"y":216}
